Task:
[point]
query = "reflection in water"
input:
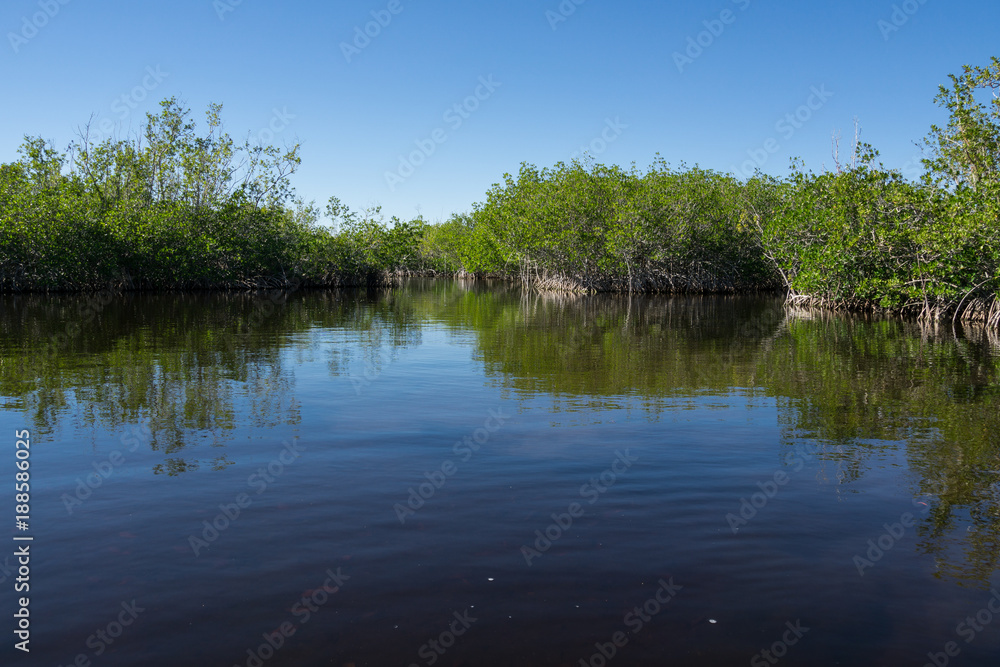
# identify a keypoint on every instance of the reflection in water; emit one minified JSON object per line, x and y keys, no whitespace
{"x":195,"y":367}
{"x":189,"y":367}
{"x":856,"y":385}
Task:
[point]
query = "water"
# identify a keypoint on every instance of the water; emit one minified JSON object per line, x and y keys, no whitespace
{"x":403,"y":447}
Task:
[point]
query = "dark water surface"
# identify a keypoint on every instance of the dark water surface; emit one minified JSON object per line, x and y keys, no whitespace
{"x":754,"y":468}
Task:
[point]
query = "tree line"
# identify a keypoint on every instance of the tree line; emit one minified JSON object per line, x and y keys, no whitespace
{"x":174,"y":209}
{"x":860,"y":236}
{"x":171,"y":208}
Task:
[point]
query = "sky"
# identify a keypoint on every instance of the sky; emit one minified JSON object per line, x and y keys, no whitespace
{"x":419,"y":106}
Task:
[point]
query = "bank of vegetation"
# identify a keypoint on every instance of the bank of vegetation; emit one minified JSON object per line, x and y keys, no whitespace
{"x":173,"y":209}
{"x":859,"y":237}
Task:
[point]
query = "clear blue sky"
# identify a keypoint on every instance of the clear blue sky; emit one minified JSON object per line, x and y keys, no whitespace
{"x":560,"y":81}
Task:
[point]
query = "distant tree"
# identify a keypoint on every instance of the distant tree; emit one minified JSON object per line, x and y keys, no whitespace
{"x":967,"y":150}
{"x":170,"y":163}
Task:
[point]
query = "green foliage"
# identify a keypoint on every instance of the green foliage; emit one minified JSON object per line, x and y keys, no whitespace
{"x":445,"y":247}
{"x":966,"y":152}
{"x":372,"y":246}
{"x":601,"y":227}
{"x":866,"y":238}
{"x":175,"y":209}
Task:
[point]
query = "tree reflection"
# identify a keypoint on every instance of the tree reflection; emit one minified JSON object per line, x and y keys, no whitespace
{"x":195,"y":367}
{"x":861,"y":387}
{"x":191,"y":367}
